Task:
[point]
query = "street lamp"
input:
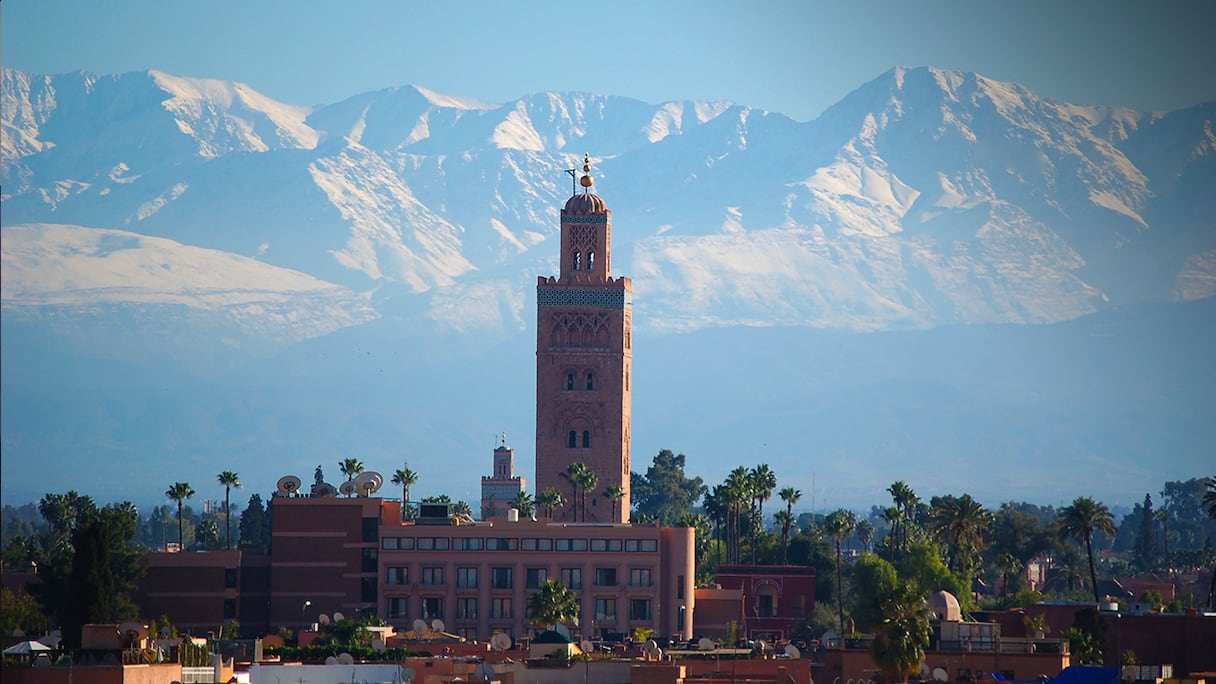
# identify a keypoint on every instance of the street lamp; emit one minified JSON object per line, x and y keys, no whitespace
{"x":302,"y":609}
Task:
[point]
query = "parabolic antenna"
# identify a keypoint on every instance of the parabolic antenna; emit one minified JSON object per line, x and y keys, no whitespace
{"x":323,"y":619}
{"x":347,"y":488}
{"x":438,"y":625}
{"x":705,"y":644}
{"x":289,"y":484}
{"x":761,"y":646}
{"x":325,"y":489}
{"x":338,"y":617}
{"x":792,"y":651}
{"x":587,"y":646}
{"x":368,"y":483}
{"x":651,"y":647}
{"x":331,"y":660}
{"x":501,"y":641}
{"x":378,"y":645}
{"x":345,"y":659}
{"x":420,"y":626}
{"x":407,"y":674}
{"x":939,"y":674}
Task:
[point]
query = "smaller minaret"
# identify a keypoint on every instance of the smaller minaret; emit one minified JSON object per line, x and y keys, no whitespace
{"x":501,"y":488}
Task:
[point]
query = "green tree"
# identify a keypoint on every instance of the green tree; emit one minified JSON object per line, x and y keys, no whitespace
{"x":665,"y":492}
{"x":1079,"y":521}
{"x":229,"y":479}
{"x":576,"y":474}
{"x":1144,"y":552}
{"x":790,"y":496}
{"x":762,"y":481}
{"x":839,"y":526}
{"x":405,"y":478}
{"x":901,"y":631}
{"x":255,"y":524}
{"x":207,"y":534}
{"x":1009,"y":565}
{"x":524,"y":504}
{"x":21,"y":611}
{"x":103,"y":572}
{"x":350,"y":467}
{"x":614,"y":493}
{"x":960,"y":524}
{"x":553,"y":604}
{"x":179,"y":492}
{"x":550,"y":499}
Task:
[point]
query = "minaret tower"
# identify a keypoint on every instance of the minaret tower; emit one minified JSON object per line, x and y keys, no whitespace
{"x":583,"y":365}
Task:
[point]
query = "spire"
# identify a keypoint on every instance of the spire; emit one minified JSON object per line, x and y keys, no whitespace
{"x":586,"y":181}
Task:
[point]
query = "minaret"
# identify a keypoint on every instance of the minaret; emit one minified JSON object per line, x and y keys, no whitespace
{"x":583,"y":365}
{"x":499,"y":490}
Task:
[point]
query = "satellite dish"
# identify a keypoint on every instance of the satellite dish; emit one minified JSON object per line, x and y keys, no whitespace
{"x":761,"y":646}
{"x":378,"y":645}
{"x":325,"y":489}
{"x":438,"y":625}
{"x":705,"y":644}
{"x":501,"y":641}
{"x":419,"y":626}
{"x":939,"y":674}
{"x":407,"y":674}
{"x":331,"y":660}
{"x":651,"y":648}
{"x":924,"y":672}
{"x":345,"y":659}
{"x":323,"y":619}
{"x":368,"y":482}
{"x":289,"y":484}
{"x":338,"y":617}
{"x":347,"y":488}
{"x":792,"y":651}
{"x":587,"y":646}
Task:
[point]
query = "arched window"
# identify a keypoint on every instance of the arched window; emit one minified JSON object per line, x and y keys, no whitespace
{"x":590,"y":261}
{"x":578,"y":259}
{"x":569,"y":381}
{"x":590,"y":381}
{"x":586,"y":439}
{"x":573,"y":441}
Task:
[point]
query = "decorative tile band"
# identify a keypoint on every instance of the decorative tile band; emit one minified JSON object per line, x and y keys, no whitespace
{"x":617,"y":299}
{"x":585,"y":218}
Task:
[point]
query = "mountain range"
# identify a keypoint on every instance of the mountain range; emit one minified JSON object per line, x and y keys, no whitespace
{"x":944,"y":279}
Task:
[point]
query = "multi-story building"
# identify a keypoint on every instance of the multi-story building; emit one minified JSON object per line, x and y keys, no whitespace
{"x":499,"y":490}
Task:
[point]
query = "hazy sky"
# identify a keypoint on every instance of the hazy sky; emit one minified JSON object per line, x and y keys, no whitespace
{"x":793,"y":57}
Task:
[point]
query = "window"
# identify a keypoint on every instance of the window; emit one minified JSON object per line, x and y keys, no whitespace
{"x":639,"y":609}
{"x":578,"y":259}
{"x":500,"y":578}
{"x":371,"y":529}
{"x":764,"y":606}
{"x":590,"y":380}
{"x":432,"y":608}
{"x":572,"y":441}
{"x":466,"y":609}
{"x":571,"y":545}
{"x":647,"y":545}
{"x":370,"y":560}
{"x":569,"y":381}
{"x":229,"y":608}
{"x":605,"y":577}
{"x":502,"y":544}
{"x":586,"y":439}
{"x":432,"y":576}
{"x":367,"y":590}
{"x":679,"y":586}
{"x":398,"y":607}
{"x":798,"y":606}
{"x":500,"y":608}
{"x":605,"y":610}
{"x":639,"y":577}
{"x":466,"y":578}
{"x":572,"y":577}
{"x":538,"y":545}
{"x":398,"y":576}
{"x":537,"y":577}
{"x":605,"y":544}
{"x":590,"y":266}
{"x":229,"y":578}
{"x":395,"y":543}
{"x":470,"y":544}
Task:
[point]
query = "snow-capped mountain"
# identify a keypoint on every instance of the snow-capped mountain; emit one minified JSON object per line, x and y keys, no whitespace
{"x":382,"y":250}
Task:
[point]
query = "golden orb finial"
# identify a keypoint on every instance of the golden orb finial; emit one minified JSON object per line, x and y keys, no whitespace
{"x":586,"y":180}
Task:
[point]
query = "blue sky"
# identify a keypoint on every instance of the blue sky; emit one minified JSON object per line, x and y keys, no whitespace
{"x":792,"y":57}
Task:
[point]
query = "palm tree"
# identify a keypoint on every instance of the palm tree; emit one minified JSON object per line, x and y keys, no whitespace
{"x":737,"y":494}
{"x":901,"y":632}
{"x":1079,"y":521}
{"x":839,"y":526}
{"x":587,"y":483}
{"x":524,"y":504}
{"x":790,"y":496}
{"x":179,"y":492}
{"x":763,"y":481}
{"x":574,"y":475}
{"x":350,"y":467}
{"x":614,"y":493}
{"x":865,"y":533}
{"x":553,"y":604}
{"x":405,"y":478}
{"x":550,"y":499}
{"x":960,"y":523}
{"x":229,"y":479}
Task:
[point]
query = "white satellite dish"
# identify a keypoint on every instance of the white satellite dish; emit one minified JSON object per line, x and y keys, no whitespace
{"x":501,"y":641}
{"x":761,"y":646}
{"x":347,"y":488}
{"x":438,"y":625}
{"x":705,"y":644}
{"x":345,"y":659}
{"x":939,"y":674}
{"x":651,"y":648}
{"x":323,"y":619}
{"x":331,"y":660}
{"x":378,"y":645}
{"x":338,"y":617}
{"x":419,"y":626}
{"x":368,"y":483}
{"x":587,"y":646}
{"x":792,"y":651}
{"x":407,"y":674}
{"x":289,"y":484}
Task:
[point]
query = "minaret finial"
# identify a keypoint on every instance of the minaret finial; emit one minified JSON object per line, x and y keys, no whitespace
{"x":586,"y":180}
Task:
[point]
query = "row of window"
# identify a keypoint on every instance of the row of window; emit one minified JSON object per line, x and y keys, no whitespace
{"x":432,"y":607}
{"x":570,"y":380}
{"x":576,"y":260}
{"x":514,"y":544}
{"x":503,"y":578}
